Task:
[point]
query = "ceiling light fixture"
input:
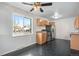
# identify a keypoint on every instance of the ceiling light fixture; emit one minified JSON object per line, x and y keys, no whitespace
{"x":56,"y":15}
{"x":37,"y":6}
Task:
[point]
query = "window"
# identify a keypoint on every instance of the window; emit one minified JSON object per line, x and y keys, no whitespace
{"x":21,"y":25}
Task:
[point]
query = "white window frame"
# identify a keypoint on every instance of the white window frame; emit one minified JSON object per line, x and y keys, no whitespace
{"x":22,"y":34}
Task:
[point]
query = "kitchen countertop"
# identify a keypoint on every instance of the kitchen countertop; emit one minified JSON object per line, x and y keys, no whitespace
{"x":75,"y":33}
{"x":40,"y":31}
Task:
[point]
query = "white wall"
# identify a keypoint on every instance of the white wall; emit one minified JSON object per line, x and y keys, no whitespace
{"x":64,"y":27}
{"x":7,"y":42}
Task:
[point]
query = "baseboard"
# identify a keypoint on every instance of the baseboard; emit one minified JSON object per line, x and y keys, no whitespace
{"x":19,"y":51}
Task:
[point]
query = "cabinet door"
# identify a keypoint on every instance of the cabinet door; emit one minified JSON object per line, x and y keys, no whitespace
{"x":39,"y":38}
{"x":44,"y":37}
{"x":75,"y":42}
{"x":41,"y":22}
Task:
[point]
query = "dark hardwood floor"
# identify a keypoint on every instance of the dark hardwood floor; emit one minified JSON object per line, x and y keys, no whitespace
{"x":56,"y":47}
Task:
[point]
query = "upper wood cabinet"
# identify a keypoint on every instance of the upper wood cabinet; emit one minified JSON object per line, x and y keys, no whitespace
{"x":42,"y":22}
{"x":76,"y":23}
{"x":52,"y":23}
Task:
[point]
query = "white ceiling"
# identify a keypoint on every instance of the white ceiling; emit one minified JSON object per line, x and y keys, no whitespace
{"x":66,"y":9}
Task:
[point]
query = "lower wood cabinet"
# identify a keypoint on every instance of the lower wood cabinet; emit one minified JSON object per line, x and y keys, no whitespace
{"x":74,"y":43}
{"x":41,"y":37}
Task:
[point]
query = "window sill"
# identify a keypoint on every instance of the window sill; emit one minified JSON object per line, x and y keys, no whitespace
{"x":21,"y":34}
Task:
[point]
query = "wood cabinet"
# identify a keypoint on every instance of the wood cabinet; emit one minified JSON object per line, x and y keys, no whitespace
{"x":42,"y":22}
{"x":74,"y":43}
{"x":41,"y":37}
{"x":52,"y":23}
{"x":76,"y":23}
